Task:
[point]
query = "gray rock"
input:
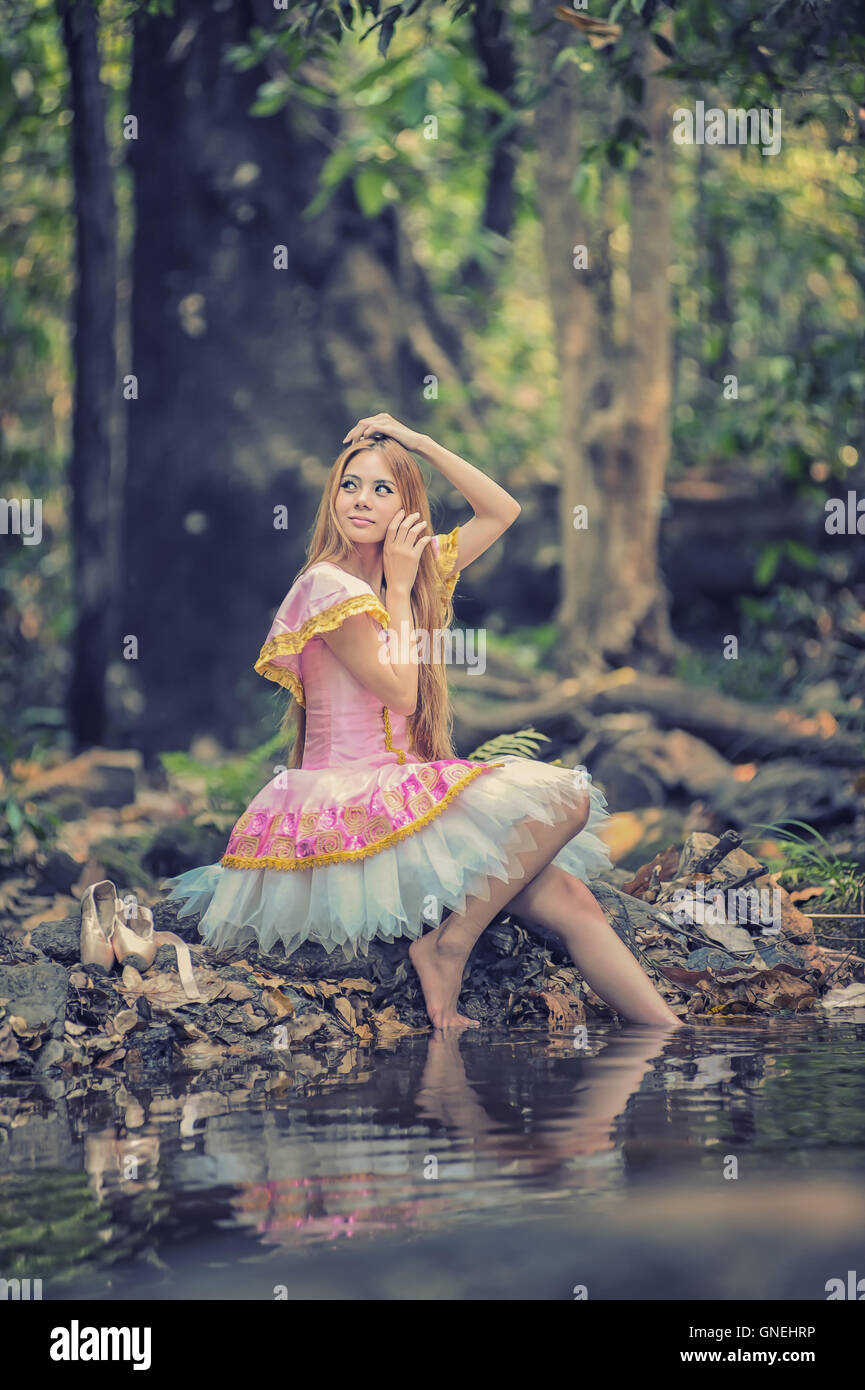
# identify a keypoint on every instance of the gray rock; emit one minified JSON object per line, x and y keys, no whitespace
{"x":152,"y":1049}
{"x":640,"y":765}
{"x":713,"y":958}
{"x":677,"y":758}
{"x":58,"y":873}
{"x":775,"y":952}
{"x":627,"y":783}
{"x":60,"y":941}
{"x":785,"y":790}
{"x":37,"y":993}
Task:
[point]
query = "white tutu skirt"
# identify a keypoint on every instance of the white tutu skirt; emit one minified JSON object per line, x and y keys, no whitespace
{"x":476,"y":837}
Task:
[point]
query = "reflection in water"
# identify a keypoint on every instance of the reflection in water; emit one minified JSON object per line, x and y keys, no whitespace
{"x":447,"y":1134}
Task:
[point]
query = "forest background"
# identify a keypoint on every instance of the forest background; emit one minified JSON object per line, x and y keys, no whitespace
{"x":487,"y":229}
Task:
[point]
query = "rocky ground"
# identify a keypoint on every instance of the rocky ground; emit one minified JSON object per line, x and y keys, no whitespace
{"x":56,"y":1018}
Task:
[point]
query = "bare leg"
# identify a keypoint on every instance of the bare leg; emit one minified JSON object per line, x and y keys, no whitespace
{"x":562,"y":903}
{"x":440,"y":957}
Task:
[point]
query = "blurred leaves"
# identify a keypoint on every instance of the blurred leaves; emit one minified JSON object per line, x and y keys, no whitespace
{"x":232,"y":782}
{"x":768,"y":279}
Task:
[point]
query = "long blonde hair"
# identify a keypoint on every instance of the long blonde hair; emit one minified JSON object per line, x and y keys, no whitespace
{"x":430,"y":727}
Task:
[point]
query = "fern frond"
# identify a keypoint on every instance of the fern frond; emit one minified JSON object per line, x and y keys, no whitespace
{"x":522,"y":744}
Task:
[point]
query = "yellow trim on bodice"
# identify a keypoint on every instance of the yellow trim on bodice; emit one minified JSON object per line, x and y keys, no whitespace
{"x":388,"y":736}
{"x":447,"y":558}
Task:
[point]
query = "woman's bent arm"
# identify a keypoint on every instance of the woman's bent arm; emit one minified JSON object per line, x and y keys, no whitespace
{"x":361,"y":646}
{"x":494,"y":508}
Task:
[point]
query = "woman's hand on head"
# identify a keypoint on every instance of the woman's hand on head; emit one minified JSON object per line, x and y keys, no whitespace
{"x":404,"y":544}
{"x":384,"y":424}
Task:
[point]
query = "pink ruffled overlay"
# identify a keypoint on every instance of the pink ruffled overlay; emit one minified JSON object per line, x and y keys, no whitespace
{"x":297,"y":837}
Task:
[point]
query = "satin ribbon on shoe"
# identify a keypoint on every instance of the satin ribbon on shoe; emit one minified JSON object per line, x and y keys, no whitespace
{"x":184,"y":961}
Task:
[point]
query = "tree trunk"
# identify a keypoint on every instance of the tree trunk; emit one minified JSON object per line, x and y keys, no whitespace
{"x":248,"y":375}
{"x":615,"y":432}
{"x":714,"y":235}
{"x":633,"y":618}
{"x":565,"y":122}
{"x":91,"y":480}
{"x":495,"y":50}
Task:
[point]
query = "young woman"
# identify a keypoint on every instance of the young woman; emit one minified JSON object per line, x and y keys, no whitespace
{"x":375,"y":827}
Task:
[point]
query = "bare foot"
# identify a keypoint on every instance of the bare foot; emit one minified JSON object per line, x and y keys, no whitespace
{"x":668,"y":1021}
{"x":441,"y":977}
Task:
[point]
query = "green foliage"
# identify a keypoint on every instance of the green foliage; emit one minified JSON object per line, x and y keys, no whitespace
{"x":778,"y":239}
{"x":774,"y":552}
{"x":18,"y":816}
{"x":765,"y":51}
{"x":235,"y":782}
{"x":808,"y":861}
{"x":524,"y":744}
{"x":769,"y":287}
{"x":789,"y":639}
{"x":525,"y":645}
{"x":52,"y":1226}
{"x":757,"y":680}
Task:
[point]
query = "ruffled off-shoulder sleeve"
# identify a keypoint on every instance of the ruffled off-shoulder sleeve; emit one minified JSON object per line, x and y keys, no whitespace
{"x":445,"y":548}
{"x":318,"y":601}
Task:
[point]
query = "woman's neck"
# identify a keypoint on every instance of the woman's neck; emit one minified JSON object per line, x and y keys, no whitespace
{"x":366,"y":564}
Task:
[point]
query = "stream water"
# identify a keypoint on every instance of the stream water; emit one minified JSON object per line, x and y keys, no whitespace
{"x":725,"y":1163}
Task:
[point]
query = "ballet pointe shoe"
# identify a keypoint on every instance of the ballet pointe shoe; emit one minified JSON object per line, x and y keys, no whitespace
{"x":99,"y":920}
{"x":136,"y":943}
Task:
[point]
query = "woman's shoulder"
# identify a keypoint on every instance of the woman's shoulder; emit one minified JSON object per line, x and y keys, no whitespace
{"x":335,"y":574}
{"x":320,"y":599}
{"x":324,"y":588}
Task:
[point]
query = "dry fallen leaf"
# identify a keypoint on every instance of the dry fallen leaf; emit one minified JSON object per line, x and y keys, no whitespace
{"x":803,"y":894}
{"x":344,"y":1009}
{"x":111,"y":1057}
{"x":9,"y":1048}
{"x":301,"y":1028}
{"x":277,"y":1003}
{"x":627,"y":829}
{"x":163,"y":989}
{"x":253,"y":1022}
{"x":233,"y":989}
{"x":202,"y":1053}
{"x":564,"y":1009}
{"x":277,"y":981}
{"x":124,"y":1020}
{"x":193,"y":1031}
{"x":387,"y":1025}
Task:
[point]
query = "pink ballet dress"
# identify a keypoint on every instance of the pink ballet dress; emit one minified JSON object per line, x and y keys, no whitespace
{"x":366,"y":839}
